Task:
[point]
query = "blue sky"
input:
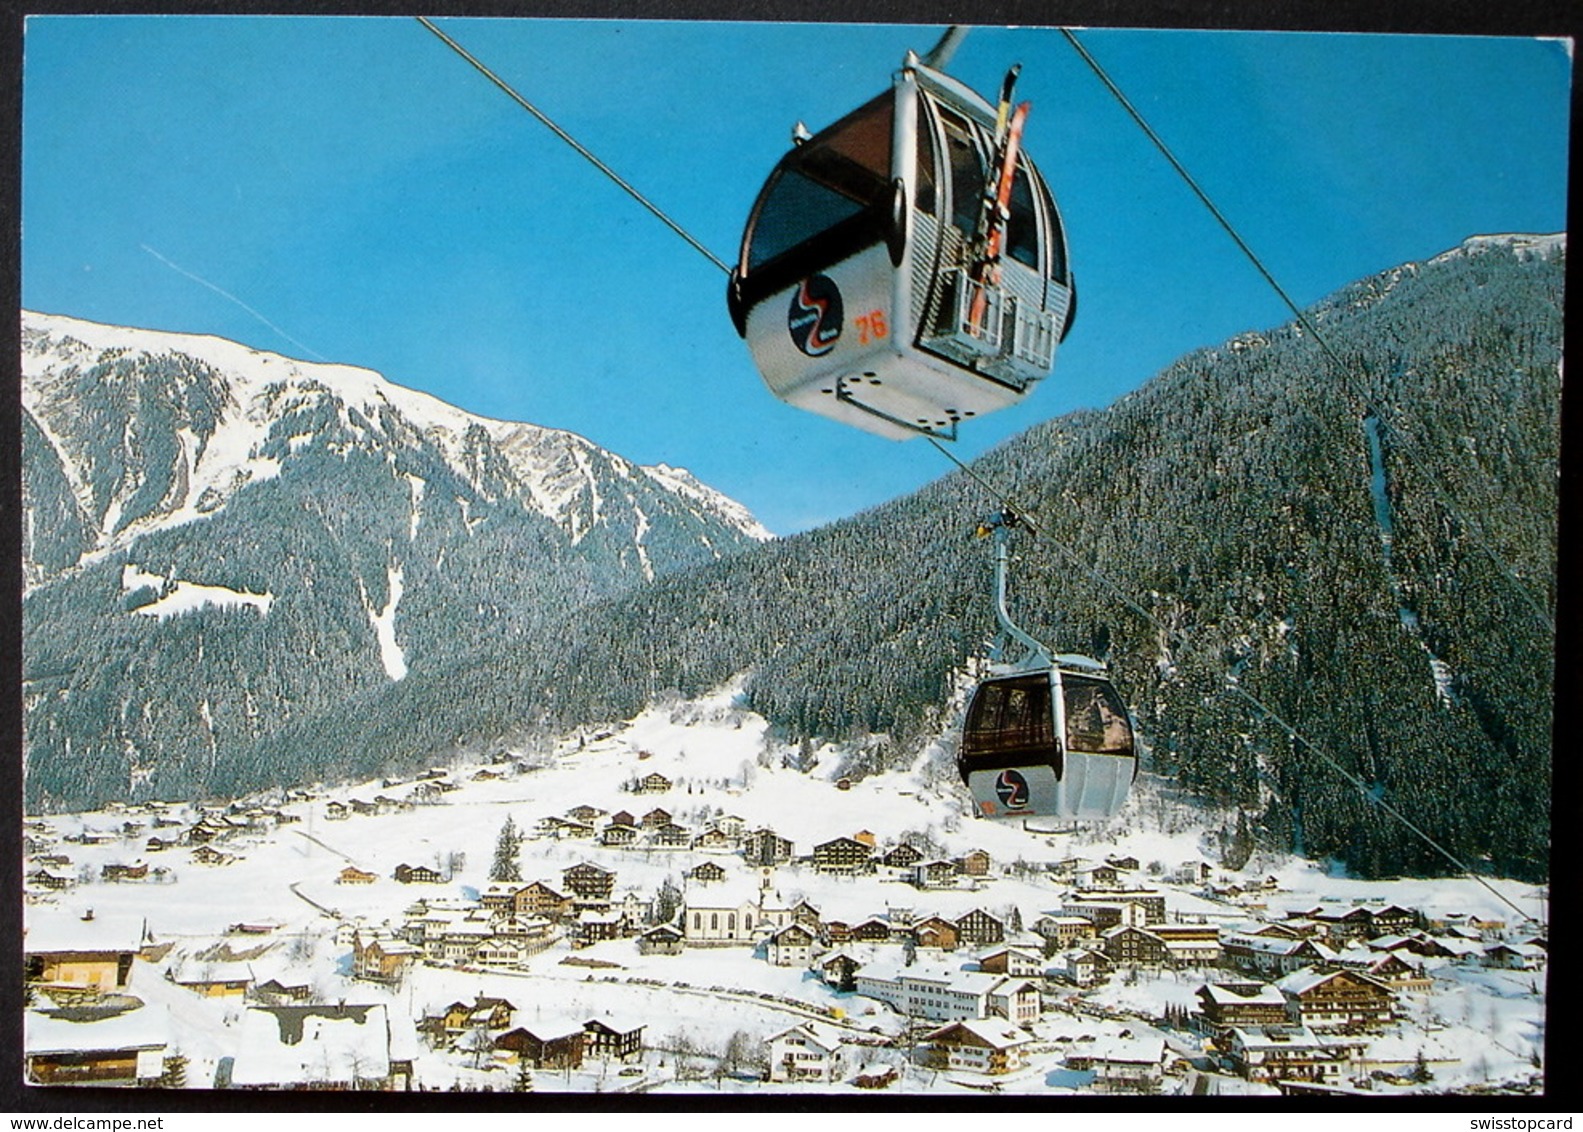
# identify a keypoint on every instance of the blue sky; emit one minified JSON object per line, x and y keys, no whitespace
{"x":347,"y":188}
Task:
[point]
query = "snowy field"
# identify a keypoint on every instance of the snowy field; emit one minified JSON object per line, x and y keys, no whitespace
{"x":1476,"y":1028}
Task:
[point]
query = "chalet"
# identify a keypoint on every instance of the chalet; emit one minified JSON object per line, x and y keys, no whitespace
{"x":1015,"y":999}
{"x":1122,"y":1065}
{"x":575,"y":830}
{"x":125,"y":1049}
{"x":381,"y":959}
{"x":903,"y":857}
{"x":540,"y":900}
{"x":621,"y":817}
{"x":1144,"y":907}
{"x":91,"y":954}
{"x":584,"y":813}
{"x":336,"y":811}
{"x":157,"y":844}
{"x":214,"y":979}
{"x":417,"y":874}
{"x":274,"y":992}
{"x":732,"y":825}
{"x":1008,"y":960}
{"x":980,"y":929}
{"x":504,"y":952}
{"x":1064,"y":931}
{"x":978,"y":1046}
{"x":1389,"y":967}
{"x":1226,"y":1005}
{"x":1126,"y":864}
{"x":839,"y":970}
{"x":766,"y":847}
{"x":354,"y":875}
{"x":808,"y":1051}
{"x":498,"y":897}
{"x":325,"y":1046}
{"x":462,"y":939}
{"x":842,"y":855}
{"x":661,"y":940}
{"x":873,"y":929}
{"x":362,"y":808}
{"x":1337,"y":1000}
{"x":933,"y":874}
{"x":617,"y":834}
{"x":609,"y":1040}
{"x":1085,"y":967}
{"x":43,"y":878}
{"x":974,"y":863}
{"x":1190,"y":945}
{"x":707,"y":872}
{"x":119,"y":872}
{"x":545,"y":1046}
{"x":1424,"y":946}
{"x":653,"y":783}
{"x":593,"y":927}
{"x":792,"y":946}
{"x":1284,"y":1053}
{"x":655,"y":818}
{"x":672,"y":836}
{"x":588,"y":882}
{"x":713,"y":841}
{"x":1135,"y":947}
{"x":1266,"y":955}
{"x":937,"y":932}
{"x":209,"y":855}
{"x":1513,"y":956}
{"x":1096,"y":876}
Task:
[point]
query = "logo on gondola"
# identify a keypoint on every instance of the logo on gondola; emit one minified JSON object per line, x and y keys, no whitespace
{"x":814,"y":319}
{"x":1012,"y":789}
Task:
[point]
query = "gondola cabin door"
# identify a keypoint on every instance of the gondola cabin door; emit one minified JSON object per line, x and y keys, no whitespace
{"x":857,"y":287}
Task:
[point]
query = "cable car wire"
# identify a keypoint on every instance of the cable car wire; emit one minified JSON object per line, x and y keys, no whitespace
{"x":1539,"y":608}
{"x":1176,"y":635}
{"x":576,"y":145}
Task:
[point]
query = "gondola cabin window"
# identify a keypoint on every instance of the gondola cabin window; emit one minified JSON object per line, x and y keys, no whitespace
{"x":825,"y":184}
{"x":1007,"y":717}
{"x":1096,"y":719}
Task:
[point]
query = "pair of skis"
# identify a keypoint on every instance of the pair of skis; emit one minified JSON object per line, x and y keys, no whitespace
{"x":990,"y":239}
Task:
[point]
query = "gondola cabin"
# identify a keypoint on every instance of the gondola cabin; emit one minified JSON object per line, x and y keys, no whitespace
{"x":905,"y":269}
{"x":1051,"y":742}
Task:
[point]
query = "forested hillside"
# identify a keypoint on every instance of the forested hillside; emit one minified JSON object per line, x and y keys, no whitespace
{"x":1370,"y":553}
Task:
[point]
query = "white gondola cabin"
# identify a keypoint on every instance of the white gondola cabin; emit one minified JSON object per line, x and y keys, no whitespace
{"x":1055,"y":741}
{"x":1046,"y":737}
{"x":905,"y":269}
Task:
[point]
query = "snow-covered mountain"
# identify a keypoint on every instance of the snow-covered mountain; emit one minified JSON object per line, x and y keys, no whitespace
{"x":218,"y":540}
{"x":147,"y":429}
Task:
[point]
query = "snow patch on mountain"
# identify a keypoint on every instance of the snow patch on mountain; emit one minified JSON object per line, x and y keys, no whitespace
{"x":178,"y":597}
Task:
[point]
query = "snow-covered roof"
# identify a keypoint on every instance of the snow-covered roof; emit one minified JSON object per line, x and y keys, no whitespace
{"x":1228,"y":994}
{"x":992,"y":1031}
{"x":51,"y":931}
{"x":1143,"y":1051}
{"x":1273,"y":1037}
{"x":283,"y":1044}
{"x":825,"y":1036}
{"x":144,"y":1028}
